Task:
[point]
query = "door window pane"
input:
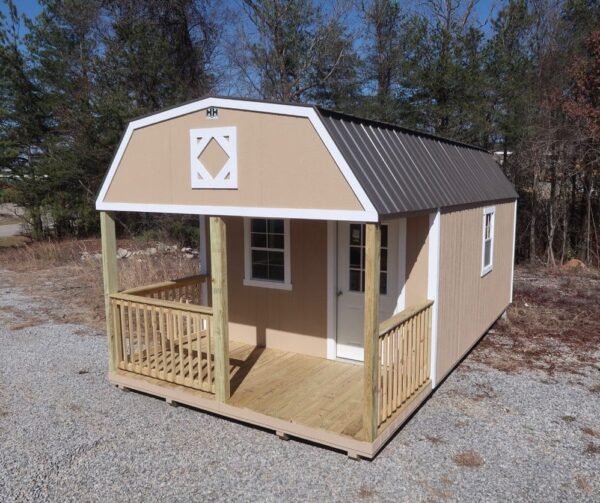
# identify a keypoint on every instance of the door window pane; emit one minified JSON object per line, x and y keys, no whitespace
{"x":356,"y":281}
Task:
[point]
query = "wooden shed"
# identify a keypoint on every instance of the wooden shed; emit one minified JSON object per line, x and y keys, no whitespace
{"x":346,"y":266}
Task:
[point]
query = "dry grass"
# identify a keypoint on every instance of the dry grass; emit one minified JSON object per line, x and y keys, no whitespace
{"x":553,"y":324}
{"x":71,"y":287}
{"x":469,"y":459}
{"x":13,"y":241}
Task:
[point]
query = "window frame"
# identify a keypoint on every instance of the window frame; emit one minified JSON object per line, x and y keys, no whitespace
{"x":490,"y":210}
{"x":286,"y":284}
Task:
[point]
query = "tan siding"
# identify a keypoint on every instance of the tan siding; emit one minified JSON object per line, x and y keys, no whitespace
{"x":468,"y":303}
{"x":293,"y":320}
{"x":282,"y":163}
{"x":417,"y":259}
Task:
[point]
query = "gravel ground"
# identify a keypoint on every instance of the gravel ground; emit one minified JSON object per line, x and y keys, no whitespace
{"x":485,"y":435}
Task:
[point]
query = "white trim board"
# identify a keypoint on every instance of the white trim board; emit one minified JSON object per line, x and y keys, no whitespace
{"x":250,"y":212}
{"x":368,"y":214}
{"x":433,"y":286}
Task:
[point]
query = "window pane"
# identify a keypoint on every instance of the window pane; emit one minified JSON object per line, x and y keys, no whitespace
{"x":259,"y":240}
{"x":276,"y":258}
{"x":276,"y":241}
{"x":260,"y":257}
{"x":260,"y":271}
{"x":355,"y":257}
{"x":355,"y":233}
{"x":276,"y":226}
{"x":259,"y":225}
{"x":383,"y":283}
{"x":276,"y":273}
{"x":354,"y":280}
{"x":384,"y":236}
{"x":383,"y":260}
{"x":487,"y":253}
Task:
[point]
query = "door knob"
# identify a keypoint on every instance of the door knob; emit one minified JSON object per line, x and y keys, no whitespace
{"x":339,"y":293}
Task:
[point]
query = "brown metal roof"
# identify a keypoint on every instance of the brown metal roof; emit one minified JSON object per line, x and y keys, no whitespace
{"x":405,"y":171}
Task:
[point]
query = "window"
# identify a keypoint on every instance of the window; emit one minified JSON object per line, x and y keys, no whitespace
{"x":357,"y":259}
{"x":488,"y":240}
{"x":267,"y":259}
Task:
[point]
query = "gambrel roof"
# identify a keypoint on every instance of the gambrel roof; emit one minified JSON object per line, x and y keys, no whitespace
{"x":361,"y":170}
{"x":405,"y":171}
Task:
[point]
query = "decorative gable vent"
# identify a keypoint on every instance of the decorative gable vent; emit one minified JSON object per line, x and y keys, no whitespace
{"x":213,"y":158}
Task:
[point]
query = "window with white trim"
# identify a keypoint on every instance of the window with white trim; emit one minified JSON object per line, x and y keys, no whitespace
{"x":487,"y":254}
{"x":267,"y":253}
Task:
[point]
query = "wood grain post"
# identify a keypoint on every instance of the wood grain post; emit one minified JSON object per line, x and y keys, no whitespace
{"x":218,"y":263}
{"x":371,"y":327}
{"x":111,"y":279}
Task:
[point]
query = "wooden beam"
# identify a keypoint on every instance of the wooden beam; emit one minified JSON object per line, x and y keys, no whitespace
{"x":220,"y":324}
{"x":111,"y":279}
{"x":371,"y":327}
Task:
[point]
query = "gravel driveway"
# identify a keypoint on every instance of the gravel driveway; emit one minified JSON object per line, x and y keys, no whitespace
{"x":486,"y":435}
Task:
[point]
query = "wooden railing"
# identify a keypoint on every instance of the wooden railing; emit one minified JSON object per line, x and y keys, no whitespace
{"x":405,"y":354}
{"x":179,"y":290}
{"x":161,"y":333}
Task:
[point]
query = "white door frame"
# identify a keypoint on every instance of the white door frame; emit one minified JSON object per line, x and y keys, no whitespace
{"x":332,"y":281}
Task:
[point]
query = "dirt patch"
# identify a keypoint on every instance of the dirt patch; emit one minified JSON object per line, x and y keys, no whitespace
{"x":590,"y":431}
{"x":469,"y":459}
{"x":366,"y":492}
{"x":434,"y":439}
{"x":553,"y":324}
{"x":592,"y":448}
{"x":568,"y":419}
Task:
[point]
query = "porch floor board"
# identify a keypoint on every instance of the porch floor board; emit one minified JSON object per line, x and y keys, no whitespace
{"x":302,"y":389}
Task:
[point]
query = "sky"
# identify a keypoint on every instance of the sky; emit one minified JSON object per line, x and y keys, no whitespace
{"x":31,"y":8}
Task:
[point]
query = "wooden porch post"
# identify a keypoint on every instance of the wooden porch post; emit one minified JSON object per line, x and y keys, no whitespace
{"x":218,"y":263}
{"x":371,"y":343}
{"x":111,"y":278}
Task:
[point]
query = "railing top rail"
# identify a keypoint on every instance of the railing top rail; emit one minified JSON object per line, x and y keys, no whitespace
{"x":167,"y":285}
{"x":401,"y":317}
{"x":169,"y":304}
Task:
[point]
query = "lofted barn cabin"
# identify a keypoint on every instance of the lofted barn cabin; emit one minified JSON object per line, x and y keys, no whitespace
{"x":346,"y":266}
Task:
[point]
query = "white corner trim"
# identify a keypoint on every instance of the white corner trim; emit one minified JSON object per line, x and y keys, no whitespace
{"x":368,"y":215}
{"x":226,"y":178}
{"x":490,"y":210}
{"x":331,"y":290}
{"x":203,"y":257}
{"x":512,"y":264}
{"x":401,"y":304}
{"x":286,"y":284}
{"x":433,"y":286}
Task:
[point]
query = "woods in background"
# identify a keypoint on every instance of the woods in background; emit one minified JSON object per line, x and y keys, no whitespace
{"x":524,"y":84}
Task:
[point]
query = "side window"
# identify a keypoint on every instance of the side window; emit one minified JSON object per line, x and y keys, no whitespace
{"x":267,"y":261}
{"x":357,"y":259}
{"x":487,"y":255}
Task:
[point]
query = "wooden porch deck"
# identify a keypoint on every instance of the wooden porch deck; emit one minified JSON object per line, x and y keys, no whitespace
{"x":303,"y":389}
{"x":296,"y":395}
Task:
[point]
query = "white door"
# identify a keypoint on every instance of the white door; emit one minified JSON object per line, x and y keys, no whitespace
{"x":350,"y":283}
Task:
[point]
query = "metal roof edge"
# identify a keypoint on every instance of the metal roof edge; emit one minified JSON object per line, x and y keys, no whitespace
{"x":389,"y":125}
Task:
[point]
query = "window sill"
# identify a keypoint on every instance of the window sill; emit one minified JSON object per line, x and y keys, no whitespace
{"x":263,"y":283}
{"x":486,"y":271}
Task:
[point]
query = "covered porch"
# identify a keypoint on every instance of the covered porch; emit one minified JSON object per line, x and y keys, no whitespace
{"x":171,"y":340}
